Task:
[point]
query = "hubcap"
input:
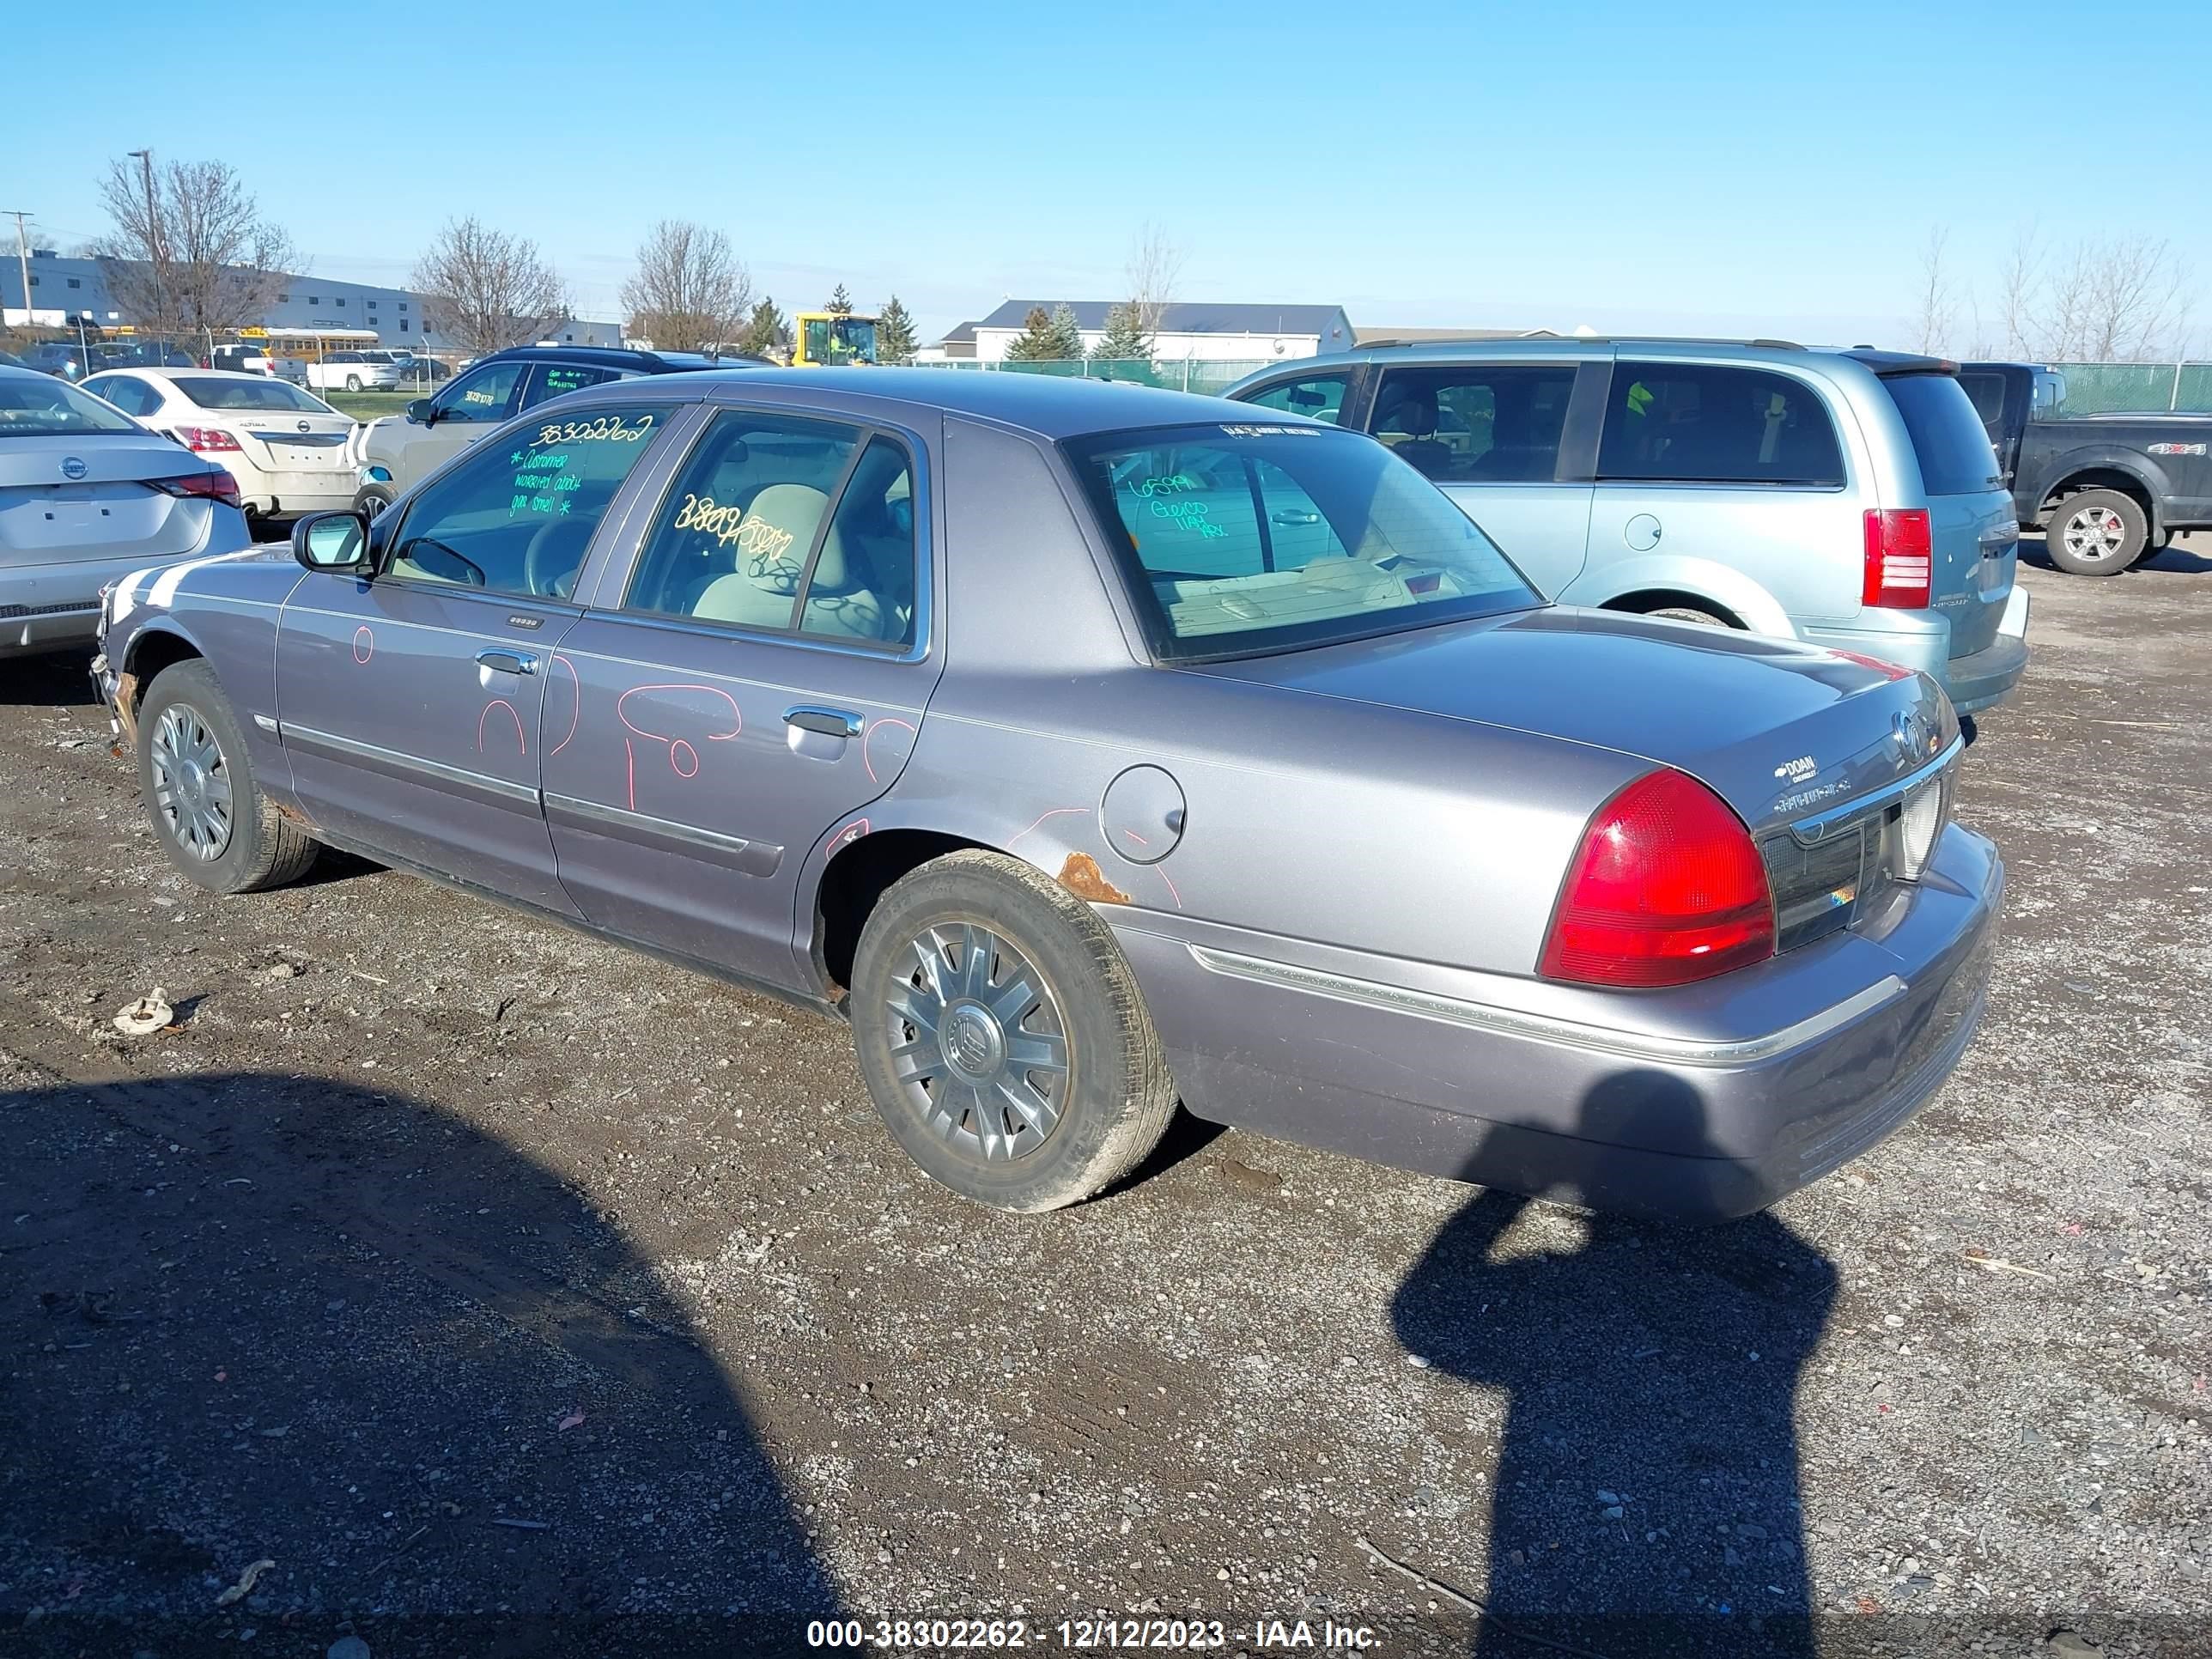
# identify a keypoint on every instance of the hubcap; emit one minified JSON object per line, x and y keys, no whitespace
{"x":2095,"y":533}
{"x":977,"y":1042}
{"x":192,"y":783}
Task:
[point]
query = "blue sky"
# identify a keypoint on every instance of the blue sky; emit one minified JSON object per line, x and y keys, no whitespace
{"x":1764,"y":168}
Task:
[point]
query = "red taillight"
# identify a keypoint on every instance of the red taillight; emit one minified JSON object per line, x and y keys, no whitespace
{"x":218,"y":486}
{"x":1665,"y":889}
{"x":202,"y":439}
{"x":1900,"y":559}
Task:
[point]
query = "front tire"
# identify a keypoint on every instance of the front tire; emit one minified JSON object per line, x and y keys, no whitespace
{"x":197,"y":777}
{"x":1002,"y":1034}
{"x":2097,"y":532}
{"x":370,"y":500}
{"x":353,"y":383}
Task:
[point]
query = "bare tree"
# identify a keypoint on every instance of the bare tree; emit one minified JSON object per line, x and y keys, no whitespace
{"x":2122,"y":301}
{"x":691,"y":293}
{"x":485,"y":290}
{"x":1939,"y":298}
{"x":190,"y":256}
{"x":2020,"y":284}
{"x":1155,"y":268}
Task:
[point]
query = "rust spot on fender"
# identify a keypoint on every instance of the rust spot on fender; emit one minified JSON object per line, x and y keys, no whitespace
{"x":126,"y":709}
{"x":1082,"y":877}
{"x":292,"y":814}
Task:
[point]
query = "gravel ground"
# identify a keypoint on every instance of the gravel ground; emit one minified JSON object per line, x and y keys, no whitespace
{"x":500,"y":1292}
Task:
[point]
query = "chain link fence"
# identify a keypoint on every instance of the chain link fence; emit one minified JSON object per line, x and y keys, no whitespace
{"x":2116,"y":388}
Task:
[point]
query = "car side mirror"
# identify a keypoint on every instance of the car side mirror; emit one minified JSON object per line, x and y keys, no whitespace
{"x":423,"y":412}
{"x":334,"y":543}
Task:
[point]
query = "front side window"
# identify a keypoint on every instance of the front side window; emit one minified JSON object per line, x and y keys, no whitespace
{"x":517,"y":517}
{"x":47,"y":408}
{"x":1702,"y":423}
{"x":552,"y":379}
{"x":481,"y":397}
{"x":749,"y":534}
{"x":1479,"y":424}
{"x":1320,"y":397}
{"x":1238,"y":538}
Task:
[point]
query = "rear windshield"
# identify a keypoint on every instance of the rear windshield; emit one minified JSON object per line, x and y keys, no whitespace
{"x":1953,"y":446}
{"x":210,"y":392}
{"x":39,"y":406}
{"x":1242,"y":538}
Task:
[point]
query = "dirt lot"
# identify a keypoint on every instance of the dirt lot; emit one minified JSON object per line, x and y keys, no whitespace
{"x":501,"y":1293}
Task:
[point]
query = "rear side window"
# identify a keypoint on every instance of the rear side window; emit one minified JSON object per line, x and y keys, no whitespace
{"x":1948,"y":437}
{"x":1320,"y":396}
{"x":748,"y":537}
{"x":1490,"y":424}
{"x":1701,"y":424}
{"x":552,"y":379}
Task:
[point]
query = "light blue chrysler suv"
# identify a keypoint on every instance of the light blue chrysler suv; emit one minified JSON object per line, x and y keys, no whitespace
{"x":1849,"y":499}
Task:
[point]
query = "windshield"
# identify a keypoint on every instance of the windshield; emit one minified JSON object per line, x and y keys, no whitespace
{"x":212,"y":391}
{"x":1239,"y":539}
{"x":841,"y":340}
{"x":39,"y":406}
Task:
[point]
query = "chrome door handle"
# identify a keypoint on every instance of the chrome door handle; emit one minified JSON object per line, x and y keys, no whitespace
{"x":507,"y":662}
{"x":831,"y":722}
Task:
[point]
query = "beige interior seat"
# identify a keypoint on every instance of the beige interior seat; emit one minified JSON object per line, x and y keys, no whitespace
{"x":759,"y":592}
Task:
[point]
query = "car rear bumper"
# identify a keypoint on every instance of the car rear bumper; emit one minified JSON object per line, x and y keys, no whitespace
{"x":1766,"y":1080}
{"x":1973,"y":683}
{"x":26,"y":634}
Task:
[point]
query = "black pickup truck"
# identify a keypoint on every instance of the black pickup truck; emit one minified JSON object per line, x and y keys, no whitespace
{"x":2106,"y":489}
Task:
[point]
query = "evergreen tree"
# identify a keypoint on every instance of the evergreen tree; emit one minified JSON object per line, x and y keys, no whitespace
{"x":839,"y":304}
{"x":1067,"y":334}
{"x":1125,"y":340}
{"x":767,"y":332}
{"x":1036,"y":341}
{"x":894,"y":341}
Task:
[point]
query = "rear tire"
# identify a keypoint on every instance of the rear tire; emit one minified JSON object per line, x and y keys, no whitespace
{"x":370,"y":500}
{"x":353,"y":383}
{"x":2097,"y":532}
{"x":970,"y":965}
{"x":196,"y":775}
{"x":1689,"y":613}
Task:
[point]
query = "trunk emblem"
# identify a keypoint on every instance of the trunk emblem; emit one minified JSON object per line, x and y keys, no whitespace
{"x":1911,"y":730}
{"x":73,"y":468}
{"x":304,"y":427}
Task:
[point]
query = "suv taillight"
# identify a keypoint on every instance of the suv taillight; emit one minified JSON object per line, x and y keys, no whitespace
{"x":217,"y":486}
{"x":1667,"y":888}
{"x":1900,"y":559}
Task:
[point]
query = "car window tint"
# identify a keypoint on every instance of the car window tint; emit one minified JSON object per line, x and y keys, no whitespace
{"x":730,"y":543}
{"x":260,"y":393}
{"x":1320,"y":397}
{"x":1249,"y":538}
{"x":1478,"y":424}
{"x":1700,"y":424}
{"x":131,"y":397}
{"x":1948,"y":437}
{"x":1987,"y":394}
{"x":482,"y":396}
{"x":862,"y":587}
{"x":552,"y":379}
{"x":516,"y":517}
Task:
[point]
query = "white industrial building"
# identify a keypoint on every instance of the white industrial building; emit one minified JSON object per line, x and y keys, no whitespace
{"x":1196,"y":330}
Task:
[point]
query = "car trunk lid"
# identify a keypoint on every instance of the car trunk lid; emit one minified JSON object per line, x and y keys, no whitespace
{"x":1783,"y":732}
{"x":81,"y":498}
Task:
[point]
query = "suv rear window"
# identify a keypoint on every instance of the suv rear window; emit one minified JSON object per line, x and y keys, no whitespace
{"x":1702,"y":423}
{"x":1949,"y":438}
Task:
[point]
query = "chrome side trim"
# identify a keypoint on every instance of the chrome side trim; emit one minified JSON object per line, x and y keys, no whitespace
{"x":1545,"y":1028}
{"x":500,"y":792}
{"x":1809,"y":832}
{"x":266,"y":722}
{"x":751,"y":858}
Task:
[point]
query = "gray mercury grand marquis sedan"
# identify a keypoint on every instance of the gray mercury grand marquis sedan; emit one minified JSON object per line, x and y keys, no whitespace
{"x":1090,"y":748}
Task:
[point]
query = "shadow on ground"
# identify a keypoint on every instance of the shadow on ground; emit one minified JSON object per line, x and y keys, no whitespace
{"x":1646,"y":1497}
{"x":254,"y":1318}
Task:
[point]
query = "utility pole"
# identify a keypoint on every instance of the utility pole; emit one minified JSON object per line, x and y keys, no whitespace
{"x":154,"y":250}
{"x":22,"y":253}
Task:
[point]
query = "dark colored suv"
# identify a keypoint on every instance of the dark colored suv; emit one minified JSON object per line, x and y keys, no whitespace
{"x":398,"y":451}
